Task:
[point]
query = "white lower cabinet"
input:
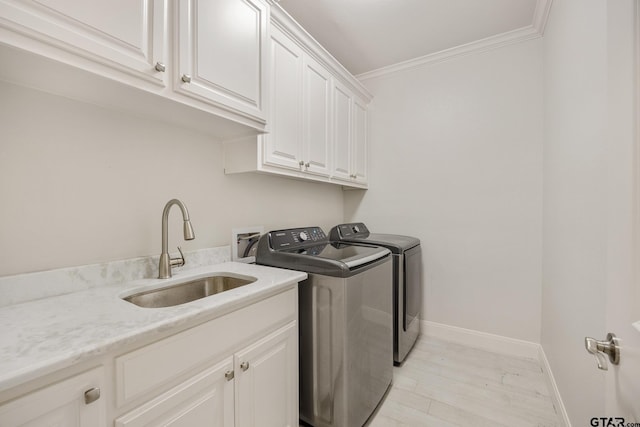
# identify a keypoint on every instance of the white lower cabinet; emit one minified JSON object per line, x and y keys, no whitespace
{"x":256,"y":386}
{"x":267,"y":381}
{"x":73,"y":402}
{"x":204,"y":400}
{"x":238,"y":370}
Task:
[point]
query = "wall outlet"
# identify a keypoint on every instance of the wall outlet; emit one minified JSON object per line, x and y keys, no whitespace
{"x":244,"y":243}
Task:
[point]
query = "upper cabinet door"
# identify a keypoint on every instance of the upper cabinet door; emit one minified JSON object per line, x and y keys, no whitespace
{"x":122,"y":34}
{"x":359,"y":141}
{"x":342,"y":122}
{"x":282,"y":146}
{"x":221,"y":52}
{"x":317,"y":117}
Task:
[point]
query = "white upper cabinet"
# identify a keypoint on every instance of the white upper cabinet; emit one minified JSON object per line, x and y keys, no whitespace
{"x":333,"y":104}
{"x":342,"y":120}
{"x":120,"y":34}
{"x":196,"y":63}
{"x":350,"y":137}
{"x":317,"y":118}
{"x":312,"y":117}
{"x":282,"y":145}
{"x":221,"y":52}
{"x":359,"y":142}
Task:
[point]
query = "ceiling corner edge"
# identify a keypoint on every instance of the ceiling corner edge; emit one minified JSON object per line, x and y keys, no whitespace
{"x":541,"y":15}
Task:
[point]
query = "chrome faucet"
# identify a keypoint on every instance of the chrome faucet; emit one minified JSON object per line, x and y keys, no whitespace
{"x":164,"y":269}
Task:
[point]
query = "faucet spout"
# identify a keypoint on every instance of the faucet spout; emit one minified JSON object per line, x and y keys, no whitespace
{"x":164,"y":268}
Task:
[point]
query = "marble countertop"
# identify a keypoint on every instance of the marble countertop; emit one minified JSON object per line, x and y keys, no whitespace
{"x":40,"y":337}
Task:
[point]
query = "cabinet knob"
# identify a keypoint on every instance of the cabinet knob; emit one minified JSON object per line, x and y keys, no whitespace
{"x":160,"y":67}
{"x":91,"y":395}
{"x":306,"y":165}
{"x":186,"y":78}
{"x":229,"y":375}
{"x":301,"y":163}
{"x":244,"y":366}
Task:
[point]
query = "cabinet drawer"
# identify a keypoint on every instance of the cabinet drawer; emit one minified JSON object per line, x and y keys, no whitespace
{"x":149,"y":368}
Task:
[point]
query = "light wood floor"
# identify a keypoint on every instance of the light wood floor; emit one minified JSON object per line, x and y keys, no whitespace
{"x":444,"y":384}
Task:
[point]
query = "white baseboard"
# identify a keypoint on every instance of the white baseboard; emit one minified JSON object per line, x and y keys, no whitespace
{"x":551,"y":383}
{"x":502,"y":345}
{"x":481,"y":340}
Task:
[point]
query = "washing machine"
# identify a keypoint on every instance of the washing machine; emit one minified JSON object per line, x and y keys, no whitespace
{"x":345,"y":317}
{"x":407,"y":280}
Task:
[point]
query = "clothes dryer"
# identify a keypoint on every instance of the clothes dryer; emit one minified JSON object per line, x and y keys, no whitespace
{"x":407,"y":280}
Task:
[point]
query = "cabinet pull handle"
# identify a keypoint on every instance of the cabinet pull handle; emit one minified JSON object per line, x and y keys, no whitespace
{"x":160,"y":67}
{"x":186,"y":78}
{"x":229,"y":375}
{"x":244,"y":366}
{"x":91,"y":395}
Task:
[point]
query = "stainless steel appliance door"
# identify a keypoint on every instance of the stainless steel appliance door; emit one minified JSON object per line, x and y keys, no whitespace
{"x":409,"y":303}
{"x":412,"y":286}
{"x":346,"y":352}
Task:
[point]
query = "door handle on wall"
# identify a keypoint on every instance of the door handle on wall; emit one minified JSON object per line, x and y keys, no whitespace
{"x":610,"y":347}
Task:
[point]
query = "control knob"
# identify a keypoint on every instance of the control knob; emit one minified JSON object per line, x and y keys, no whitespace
{"x":303,"y":236}
{"x":356,"y":229}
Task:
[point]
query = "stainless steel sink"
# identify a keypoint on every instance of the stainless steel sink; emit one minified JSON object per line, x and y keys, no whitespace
{"x":192,"y":290}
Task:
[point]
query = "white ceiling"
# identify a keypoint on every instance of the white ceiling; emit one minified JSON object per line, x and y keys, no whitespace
{"x":366,"y":35}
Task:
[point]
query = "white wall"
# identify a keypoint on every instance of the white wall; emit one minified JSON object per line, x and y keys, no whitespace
{"x":456,"y":160}
{"x":81,"y":184}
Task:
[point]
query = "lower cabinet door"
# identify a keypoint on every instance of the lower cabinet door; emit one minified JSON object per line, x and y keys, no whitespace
{"x":267,"y":381}
{"x":74,"y":402}
{"x":204,"y":400}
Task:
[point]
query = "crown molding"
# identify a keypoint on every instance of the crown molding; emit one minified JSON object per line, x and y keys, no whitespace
{"x":489,"y":43}
{"x":533,"y":31}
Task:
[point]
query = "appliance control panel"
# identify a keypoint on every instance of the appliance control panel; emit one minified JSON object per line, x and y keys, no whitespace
{"x":355,"y":229}
{"x":297,"y":237}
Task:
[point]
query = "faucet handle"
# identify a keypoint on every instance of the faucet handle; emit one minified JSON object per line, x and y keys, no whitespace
{"x":178,"y":262}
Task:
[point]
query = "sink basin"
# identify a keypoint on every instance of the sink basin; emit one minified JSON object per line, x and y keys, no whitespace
{"x":192,"y":290}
